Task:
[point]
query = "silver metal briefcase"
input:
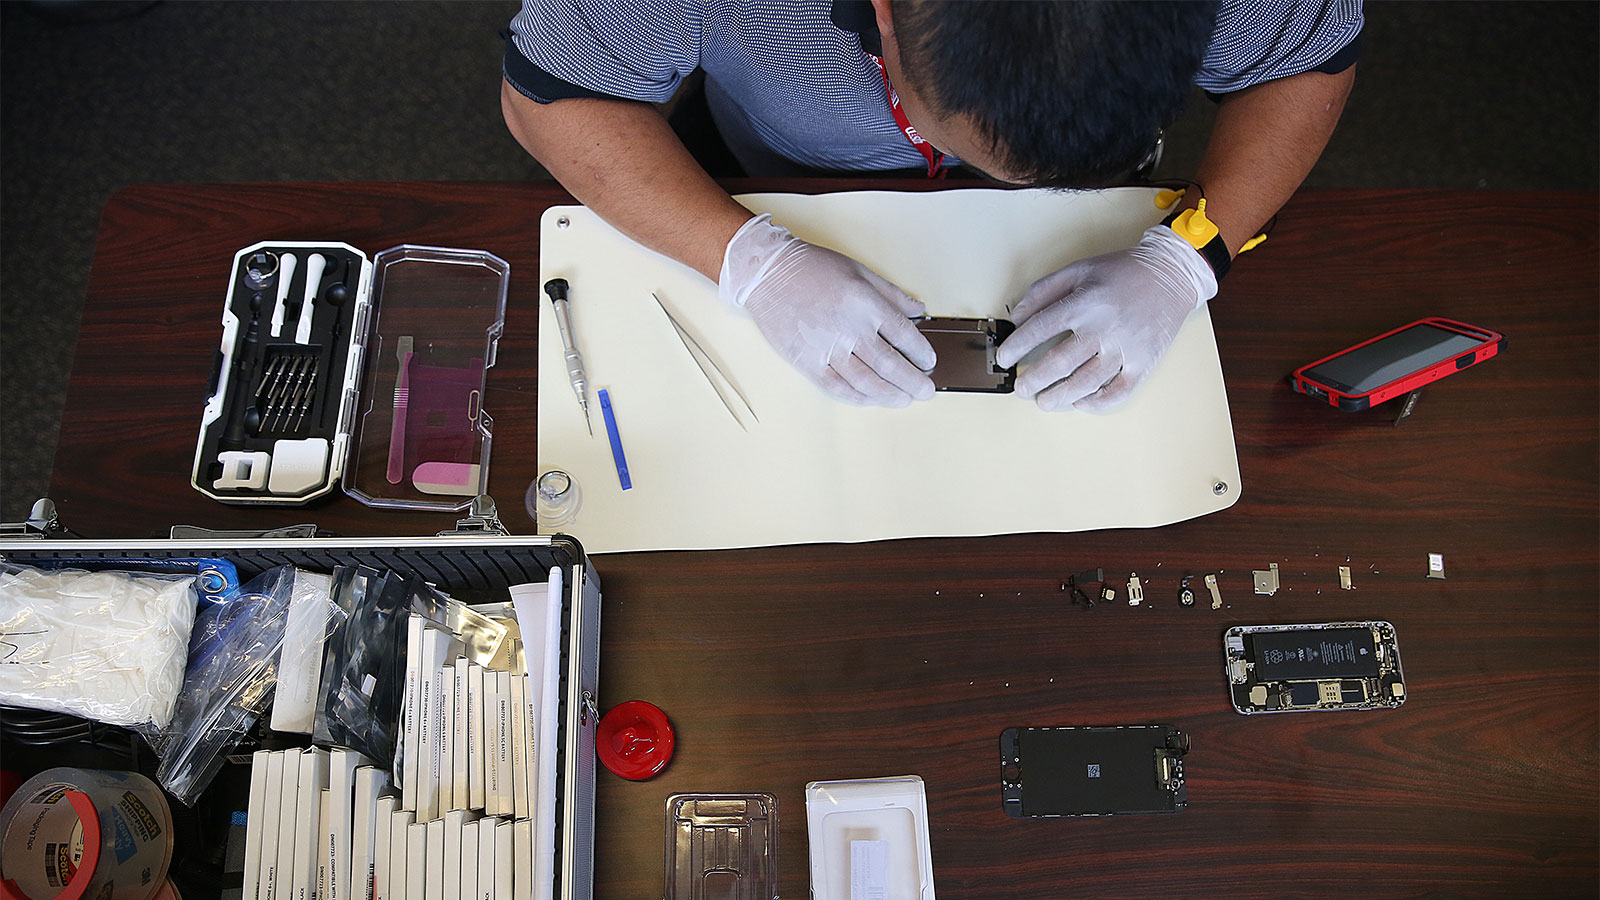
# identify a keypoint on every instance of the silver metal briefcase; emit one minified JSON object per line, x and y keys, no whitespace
{"x":478,"y":558}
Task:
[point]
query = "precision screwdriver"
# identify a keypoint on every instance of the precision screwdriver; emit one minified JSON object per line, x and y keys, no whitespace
{"x":557,"y":289}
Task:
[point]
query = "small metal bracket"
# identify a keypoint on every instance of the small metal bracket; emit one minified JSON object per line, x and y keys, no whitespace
{"x":1344,"y":579}
{"x":1135,"y":590}
{"x":482,"y":518}
{"x":42,"y":522}
{"x":1266,"y":582}
{"x":1216,"y":595}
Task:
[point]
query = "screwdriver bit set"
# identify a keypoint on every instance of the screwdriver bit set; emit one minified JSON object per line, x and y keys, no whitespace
{"x":281,"y":400}
{"x":366,"y":374}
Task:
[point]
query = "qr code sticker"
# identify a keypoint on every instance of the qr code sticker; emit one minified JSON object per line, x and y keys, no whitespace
{"x":1094,"y":770}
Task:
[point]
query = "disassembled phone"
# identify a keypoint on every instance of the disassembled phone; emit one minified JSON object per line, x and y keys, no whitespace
{"x":1092,"y":771}
{"x":1396,"y":363}
{"x":1313,"y":668}
{"x":966,"y":349}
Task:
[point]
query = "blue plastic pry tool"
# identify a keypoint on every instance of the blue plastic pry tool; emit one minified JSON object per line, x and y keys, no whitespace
{"x":616,"y":440}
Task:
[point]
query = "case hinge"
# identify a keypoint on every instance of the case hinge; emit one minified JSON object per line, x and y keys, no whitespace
{"x":482,"y":518}
{"x":42,"y":522}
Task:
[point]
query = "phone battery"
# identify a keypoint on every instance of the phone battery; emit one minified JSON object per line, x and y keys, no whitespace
{"x":1345,"y":652}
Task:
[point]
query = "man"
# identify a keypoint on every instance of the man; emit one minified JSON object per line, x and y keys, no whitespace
{"x":1053,"y":94}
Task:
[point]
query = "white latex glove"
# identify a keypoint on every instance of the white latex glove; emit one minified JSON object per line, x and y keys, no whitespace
{"x":1118,"y":312}
{"x":836,"y":321}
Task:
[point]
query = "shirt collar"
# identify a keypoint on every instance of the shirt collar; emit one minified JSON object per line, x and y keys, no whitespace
{"x":857,"y":17}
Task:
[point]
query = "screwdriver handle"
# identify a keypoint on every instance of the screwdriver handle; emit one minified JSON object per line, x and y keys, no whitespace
{"x":557,"y":289}
{"x":314,"y":266}
{"x":285,"y":275}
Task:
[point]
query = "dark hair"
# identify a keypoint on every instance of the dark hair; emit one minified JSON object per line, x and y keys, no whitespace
{"x":1068,"y":94}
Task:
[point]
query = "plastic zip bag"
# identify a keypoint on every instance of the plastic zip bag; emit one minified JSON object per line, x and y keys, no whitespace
{"x":214,"y":578}
{"x":360,"y":701}
{"x":109,"y":646}
{"x":233,"y":670}
{"x":482,"y":635}
{"x":364,"y":665}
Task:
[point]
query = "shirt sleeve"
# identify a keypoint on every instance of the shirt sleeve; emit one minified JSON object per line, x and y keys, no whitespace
{"x":602,"y":48}
{"x":1260,"y":40}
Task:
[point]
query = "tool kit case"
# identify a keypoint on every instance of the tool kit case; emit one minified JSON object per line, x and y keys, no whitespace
{"x":336,"y":370}
{"x":474,"y":566}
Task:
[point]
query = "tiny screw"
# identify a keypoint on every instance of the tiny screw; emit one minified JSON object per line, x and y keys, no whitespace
{"x":1219,"y":488}
{"x":1187,"y":597}
{"x":563,"y":222}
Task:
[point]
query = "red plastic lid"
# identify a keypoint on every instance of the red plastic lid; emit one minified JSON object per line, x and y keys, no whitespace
{"x":634,"y":740}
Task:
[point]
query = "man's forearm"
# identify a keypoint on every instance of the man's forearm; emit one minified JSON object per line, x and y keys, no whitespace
{"x":1263,"y":144}
{"x":622,"y":160}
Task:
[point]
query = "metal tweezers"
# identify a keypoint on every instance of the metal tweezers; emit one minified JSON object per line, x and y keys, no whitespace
{"x":708,"y":366}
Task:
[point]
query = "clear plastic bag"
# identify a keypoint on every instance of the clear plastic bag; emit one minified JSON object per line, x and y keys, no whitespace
{"x":108,"y":646}
{"x":233,"y":669}
{"x":481,"y":635}
{"x":215,"y":578}
{"x":360,"y":702}
{"x":364,"y":666}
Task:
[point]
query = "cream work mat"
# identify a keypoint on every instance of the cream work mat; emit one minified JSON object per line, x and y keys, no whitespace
{"x":816,"y":470}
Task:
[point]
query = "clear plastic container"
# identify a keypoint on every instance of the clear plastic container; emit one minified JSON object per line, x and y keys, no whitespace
{"x":422,"y":439}
{"x":553,"y":500}
{"x":276,"y":425}
{"x":870,"y":831}
{"x":722,"y":847}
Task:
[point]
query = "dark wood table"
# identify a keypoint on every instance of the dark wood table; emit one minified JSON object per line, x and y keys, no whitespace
{"x":786,"y":665}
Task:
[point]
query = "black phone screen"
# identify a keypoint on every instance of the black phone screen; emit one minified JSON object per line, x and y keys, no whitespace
{"x":1092,"y":771}
{"x":1368,"y":368}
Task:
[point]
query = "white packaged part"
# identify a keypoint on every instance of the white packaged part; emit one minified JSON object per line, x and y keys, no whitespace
{"x":841,"y":814}
{"x":313,"y":778}
{"x":469,"y":861}
{"x":108,"y":646}
{"x":294,"y":704}
{"x":252,"y":826}
{"x":382,"y":844}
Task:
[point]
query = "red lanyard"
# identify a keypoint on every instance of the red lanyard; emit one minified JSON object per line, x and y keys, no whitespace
{"x":934,"y":157}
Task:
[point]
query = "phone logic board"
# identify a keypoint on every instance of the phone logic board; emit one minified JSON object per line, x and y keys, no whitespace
{"x":1313,"y":668}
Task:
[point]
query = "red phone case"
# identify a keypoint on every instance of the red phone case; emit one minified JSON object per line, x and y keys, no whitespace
{"x":1492,"y":341}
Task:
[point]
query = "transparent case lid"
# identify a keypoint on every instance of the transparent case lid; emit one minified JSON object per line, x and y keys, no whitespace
{"x":422,"y":435}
